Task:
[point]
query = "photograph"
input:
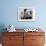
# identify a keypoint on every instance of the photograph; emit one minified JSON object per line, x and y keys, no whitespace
{"x":26,"y":14}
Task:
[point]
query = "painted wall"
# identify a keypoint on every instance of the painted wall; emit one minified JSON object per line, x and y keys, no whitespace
{"x":8,"y":13}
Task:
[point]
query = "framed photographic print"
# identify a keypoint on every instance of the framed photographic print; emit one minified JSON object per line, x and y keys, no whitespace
{"x":26,"y":14}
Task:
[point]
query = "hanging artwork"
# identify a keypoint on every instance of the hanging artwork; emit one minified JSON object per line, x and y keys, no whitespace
{"x":26,"y":14}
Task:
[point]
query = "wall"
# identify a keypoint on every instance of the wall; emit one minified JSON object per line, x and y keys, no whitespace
{"x":8,"y":13}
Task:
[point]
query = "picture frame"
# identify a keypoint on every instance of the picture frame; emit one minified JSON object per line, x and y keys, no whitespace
{"x":26,"y":14}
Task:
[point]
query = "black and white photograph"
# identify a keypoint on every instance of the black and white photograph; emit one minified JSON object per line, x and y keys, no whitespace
{"x":26,"y":14}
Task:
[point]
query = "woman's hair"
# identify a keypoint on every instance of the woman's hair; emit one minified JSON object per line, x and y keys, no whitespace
{"x":25,"y":10}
